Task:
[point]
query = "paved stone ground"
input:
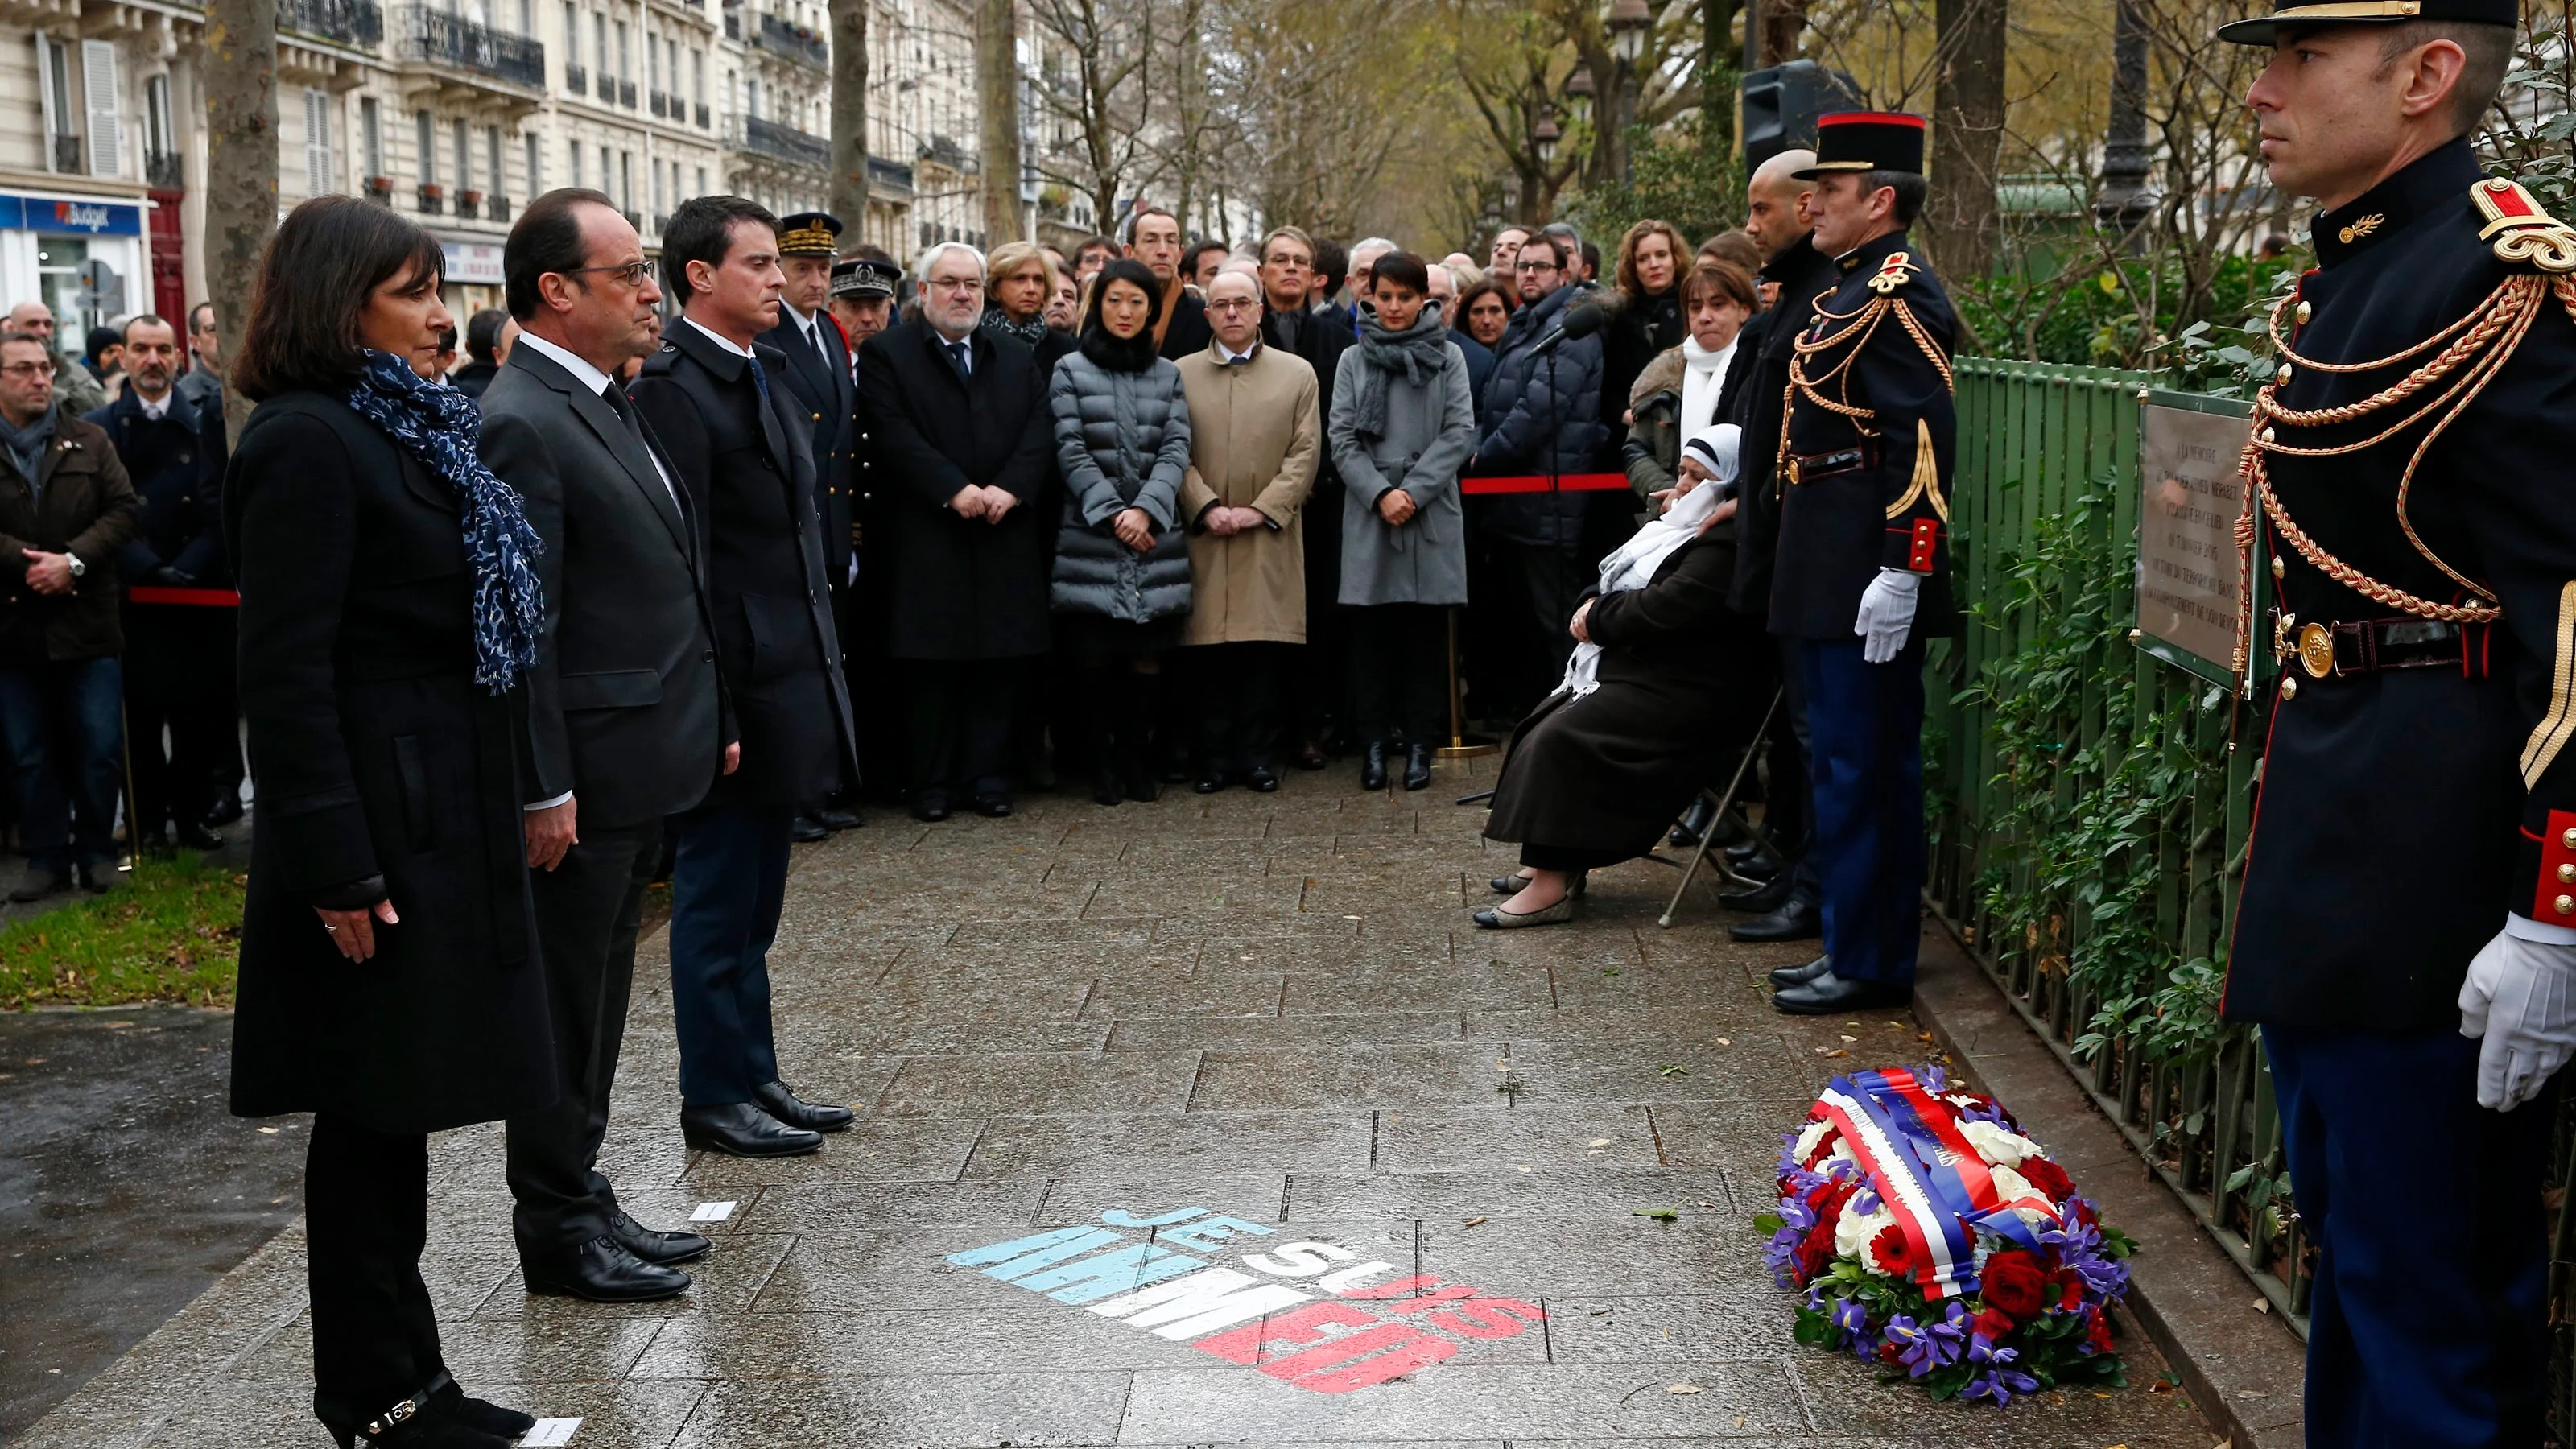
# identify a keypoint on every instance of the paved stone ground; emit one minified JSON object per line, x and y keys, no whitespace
{"x":1270,"y":1007}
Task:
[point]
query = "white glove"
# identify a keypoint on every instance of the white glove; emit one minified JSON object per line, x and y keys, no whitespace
{"x":2521,"y":999}
{"x":1886,"y":614}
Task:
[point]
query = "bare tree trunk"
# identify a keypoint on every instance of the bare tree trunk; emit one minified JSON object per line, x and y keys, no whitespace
{"x":997,"y":83}
{"x":1782,"y":21}
{"x":1967,"y":134}
{"x":240,"y":73}
{"x":849,"y":194}
{"x":1717,"y":72}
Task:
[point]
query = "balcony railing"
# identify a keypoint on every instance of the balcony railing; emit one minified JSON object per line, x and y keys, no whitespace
{"x":626,"y":94}
{"x":359,"y":23}
{"x":452,"y":40}
{"x":660,"y":104}
{"x":67,"y":153}
{"x":784,"y":143}
{"x":702,"y":115}
{"x":165,"y":170}
{"x":576,"y":79}
{"x":607,"y":86}
{"x":892,"y":175}
{"x":791,"y":42}
{"x":496,"y":208}
{"x":433,"y":198}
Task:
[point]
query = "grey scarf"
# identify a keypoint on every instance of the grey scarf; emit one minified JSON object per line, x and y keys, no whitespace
{"x":1420,"y":352}
{"x":27,"y":445}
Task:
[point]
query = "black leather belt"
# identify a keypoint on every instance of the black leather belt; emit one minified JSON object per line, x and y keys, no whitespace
{"x":2366,"y":647}
{"x":1808,"y":467}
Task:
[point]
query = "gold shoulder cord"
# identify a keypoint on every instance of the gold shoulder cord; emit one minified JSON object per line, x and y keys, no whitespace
{"x":2472,"y":351}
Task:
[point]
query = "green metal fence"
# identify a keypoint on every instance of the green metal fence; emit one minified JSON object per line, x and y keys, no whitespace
{"x":2033,"y":440}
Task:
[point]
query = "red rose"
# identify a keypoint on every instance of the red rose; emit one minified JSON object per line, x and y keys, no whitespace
{"x":2048,"y":1177}
{"x":2097,"y":1334}
{"x":1813,"y":1252}
{"x":1995,"y":1325}
{"x":1892,"y":1251}
{"x":2015,"y":1283}
{"x":2070,"y":1289}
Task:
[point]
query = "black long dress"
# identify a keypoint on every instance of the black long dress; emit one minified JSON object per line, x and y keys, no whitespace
{"x":1684,"y":680}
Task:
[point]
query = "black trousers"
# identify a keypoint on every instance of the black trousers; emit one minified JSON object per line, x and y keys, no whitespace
{"x":957,"y":724}
{"x":1321,"y":683}
{"x":1400,"y":672}
{"x":1539,"y":586}
{"x":1236,"y":691}
{"x":588,"y":908}
{"x":178,"y":677}
{"x":366,"y":1219}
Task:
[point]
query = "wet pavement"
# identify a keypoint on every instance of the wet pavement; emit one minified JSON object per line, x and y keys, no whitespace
{"x":1195,"y":1080}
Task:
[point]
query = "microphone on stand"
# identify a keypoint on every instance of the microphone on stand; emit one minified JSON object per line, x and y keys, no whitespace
{"x":1582,"y":321}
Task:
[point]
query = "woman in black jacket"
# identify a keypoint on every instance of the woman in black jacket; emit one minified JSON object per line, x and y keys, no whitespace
{"x":389,"y":974}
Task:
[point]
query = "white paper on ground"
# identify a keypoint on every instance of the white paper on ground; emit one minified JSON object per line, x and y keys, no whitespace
{"x":712,"y":1212}
{"x":549,"y":1432}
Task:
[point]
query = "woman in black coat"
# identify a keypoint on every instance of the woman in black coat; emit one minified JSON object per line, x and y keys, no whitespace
{"x":390,"y":982}
{"x":1598,"y":770}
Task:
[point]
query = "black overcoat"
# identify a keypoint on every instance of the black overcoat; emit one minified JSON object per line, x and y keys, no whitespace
{"x":1755,"y":382}
{"x":384,"y":773}
{"x":830,"y":403}
{"x":750,"y":475}
{"x":950,"y":587}
{"x":1684,"y":680}
{"x":82,"y":504}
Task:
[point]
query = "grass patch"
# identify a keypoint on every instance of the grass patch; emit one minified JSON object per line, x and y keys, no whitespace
{"x":171,"y":933}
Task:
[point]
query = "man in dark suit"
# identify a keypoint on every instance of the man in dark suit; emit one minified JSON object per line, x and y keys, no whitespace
{"x":1154,"y":238}
{"x":736,"y":438}
{"x":961,"y":440}
{"x":818,"y":374}
{"x":624,"y":724}
{"x":178,"y":629}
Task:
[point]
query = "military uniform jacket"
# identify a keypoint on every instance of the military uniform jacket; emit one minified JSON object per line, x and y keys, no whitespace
{"x":830,"y":398}
{"x":2406,"y":808}
{"x":1865,"y":458}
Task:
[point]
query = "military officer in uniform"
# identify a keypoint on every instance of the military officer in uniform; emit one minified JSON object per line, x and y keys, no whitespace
{"x":819,"y":375}
{"x":863,"y":286}
{"x":2406,"y":934}
{"x":1861,"y":574}
{"x":863,"y":290}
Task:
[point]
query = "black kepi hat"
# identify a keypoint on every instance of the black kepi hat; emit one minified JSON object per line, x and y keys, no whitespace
{"x":809,"y":234}
{"x":864,"y":277}
{"x":2258,"y":29}
{"x":1867,"y":141}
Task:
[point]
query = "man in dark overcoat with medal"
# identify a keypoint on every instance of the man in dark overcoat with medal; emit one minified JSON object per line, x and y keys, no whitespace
{"x":2407,"y":931}
{"x":1860,"y":576}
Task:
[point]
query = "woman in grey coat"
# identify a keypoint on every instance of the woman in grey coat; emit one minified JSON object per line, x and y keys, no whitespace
{"x":1403,"y":420}
{"x":1121,"y":588}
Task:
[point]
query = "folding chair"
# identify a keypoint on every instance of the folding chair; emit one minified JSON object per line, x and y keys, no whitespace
{"x":1725,"y":803}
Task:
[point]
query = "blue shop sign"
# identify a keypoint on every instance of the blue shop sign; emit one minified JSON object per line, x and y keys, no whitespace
{"x":69,"y":218}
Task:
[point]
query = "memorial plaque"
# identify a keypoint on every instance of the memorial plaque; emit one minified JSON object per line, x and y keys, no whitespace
{"x":2188,"y":584}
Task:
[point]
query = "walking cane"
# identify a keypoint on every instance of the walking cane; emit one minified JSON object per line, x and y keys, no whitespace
{"x":1725,"y":803}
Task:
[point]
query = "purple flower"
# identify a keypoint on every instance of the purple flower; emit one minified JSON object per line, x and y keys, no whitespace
{"x":1864,"y":1202}
{"x":1923,"y":1348}
{"x":1934,"y":1080}
{"x":1851,"y":1319}
{"x":2000,"y":1384}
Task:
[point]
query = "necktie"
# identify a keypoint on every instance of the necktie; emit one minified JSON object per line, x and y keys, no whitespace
{"x":965,"y":355}
{"x":760,"y":379}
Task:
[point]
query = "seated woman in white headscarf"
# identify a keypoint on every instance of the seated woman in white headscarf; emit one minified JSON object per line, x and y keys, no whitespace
{"x":1666,"y":685}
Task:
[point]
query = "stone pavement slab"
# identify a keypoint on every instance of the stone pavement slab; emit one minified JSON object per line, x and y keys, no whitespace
{"x":1264,"y":1021}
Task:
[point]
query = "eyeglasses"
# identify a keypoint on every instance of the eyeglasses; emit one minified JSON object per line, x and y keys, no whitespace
{"x":1234,"y":304}
{"x":953,"y":284}
{"x":28,"y":369}
{"x":631,"y":275}
{"x":1535,"y":267}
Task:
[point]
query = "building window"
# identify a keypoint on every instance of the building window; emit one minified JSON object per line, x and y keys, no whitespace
{"x":599,"y":44}
{"x":492,"y":180}
{"x":626,"y":180}
{"x":159,"y":137}
{"x":460,"y":134}
{"x":528,"y":18}
{"x":575,"y":148}
{"x":702,"y":181}
{"x":427,"y":140}
{"x":536,"y":166}
{"x":698,"y":75}
{"x":371,"y":135}
{"x":320,"y":177}
{"x":625,"y":71}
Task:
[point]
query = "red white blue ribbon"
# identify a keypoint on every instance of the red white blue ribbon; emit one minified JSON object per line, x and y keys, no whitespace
{"x":1929,"y":1174}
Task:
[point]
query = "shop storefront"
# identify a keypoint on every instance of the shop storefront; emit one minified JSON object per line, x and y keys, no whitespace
{"x":85,"y":257}
{"x":473,"y":279}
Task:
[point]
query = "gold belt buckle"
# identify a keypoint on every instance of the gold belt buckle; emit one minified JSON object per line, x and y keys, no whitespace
{"x":2316,"y":650}
{"x":1794,"y":472}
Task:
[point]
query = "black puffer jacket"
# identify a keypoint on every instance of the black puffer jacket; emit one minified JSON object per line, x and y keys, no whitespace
{"x":1122,"y":440}
{"x":1541,"y":411}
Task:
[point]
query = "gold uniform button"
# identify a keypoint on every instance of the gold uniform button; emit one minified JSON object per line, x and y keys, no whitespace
{"x":2568,"y":839}
{"x":2289,"y":687}
{"x":2283,"y":376}
{"x":2280,"y":569}
{"x":2566,"y":905}
{"x":2567,"y":873}
{"x":2267,"y":435}
{"x":2302,"y":312}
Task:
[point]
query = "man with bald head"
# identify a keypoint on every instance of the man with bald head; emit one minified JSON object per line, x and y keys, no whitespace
{"x":1779,"y":218}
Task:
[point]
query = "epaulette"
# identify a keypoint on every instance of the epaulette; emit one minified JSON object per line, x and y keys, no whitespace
{"x":2521,"y":230}
{"x":1893,"y":273}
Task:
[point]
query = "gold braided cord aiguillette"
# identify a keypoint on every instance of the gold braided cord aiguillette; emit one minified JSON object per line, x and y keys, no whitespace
{"x":2467,"y":319}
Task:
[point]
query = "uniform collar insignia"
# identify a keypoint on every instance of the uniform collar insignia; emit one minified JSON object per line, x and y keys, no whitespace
{"x":2356,"y":230}
{"x":2426,"y":186}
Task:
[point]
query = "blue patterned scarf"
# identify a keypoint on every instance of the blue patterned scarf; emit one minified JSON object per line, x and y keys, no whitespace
{"x":440,"y":427}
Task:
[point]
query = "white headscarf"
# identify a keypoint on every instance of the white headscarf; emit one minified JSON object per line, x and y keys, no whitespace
{"x":1632,"y":566}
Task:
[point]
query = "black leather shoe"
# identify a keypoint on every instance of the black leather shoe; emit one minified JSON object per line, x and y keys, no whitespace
{"x":483,"y":1417}
{"x":993,"y":807}
{"x":603,"y":1271}
{"x":1830,"y":995}
{"x":930,"y":806}
{"x":1800,"y":918}
{"x":1373,"y":766}
{"x":1209,"y":781}
{"x":198,"y":837}
{"x":743,"y":1129}
{"x":1693,"y":821}
{"x":1763,"y":899}
{"x":226,"y":811}
{"x":660,"y":1249}
{"x":435,"y":1427}
{"x":1417,"y":767}
{"x":1105,"y":789}
{"x":806,"y":830}
{"x":1801,"y":975}
{"x":781,"y":1102}
{"x":1261,"y":779}
{"x":833,"y":817}
{"x":1310,"y":756}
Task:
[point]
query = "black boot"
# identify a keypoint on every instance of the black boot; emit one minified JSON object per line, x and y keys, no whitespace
{"x":1417,"y":766}
{"x":1373,"y":766}
{"x":1693,"y":821}
{"x":1800,"y":918}
{"x":1142,"y":708}
{"x":1096,"y":714}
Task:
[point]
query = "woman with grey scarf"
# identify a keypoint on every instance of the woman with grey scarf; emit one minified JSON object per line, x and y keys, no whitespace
{"x":1016,"y":301}
{"x":1402,"y":423}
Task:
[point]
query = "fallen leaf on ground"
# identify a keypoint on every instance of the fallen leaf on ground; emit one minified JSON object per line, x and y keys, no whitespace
{"x":1672,"y":1069}
{"x":1721,"y":1041}
{"x":1851,"y":1038}
{"x":1474,"y":1222}
{"x":1681,"y":1388}
{"x":1598,"y":1142}
{"x":1659,"y":1214}
{"x":1597,"y":1312}
{"x":2262,"y":1305}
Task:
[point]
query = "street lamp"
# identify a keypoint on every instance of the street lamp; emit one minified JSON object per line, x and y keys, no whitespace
{"x":1578,"y":91}
{"x":1543,"y":138}
{"x":1629,"y":22}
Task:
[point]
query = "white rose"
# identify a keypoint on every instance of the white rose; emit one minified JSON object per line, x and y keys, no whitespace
{"x":1853,"y":1233}
{"x":1997,"y":1146}
{"x":1808,"y":1140}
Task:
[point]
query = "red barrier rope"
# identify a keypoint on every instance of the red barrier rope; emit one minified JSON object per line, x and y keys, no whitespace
{"x":203,"y":598}
{"x":1539,"y":483}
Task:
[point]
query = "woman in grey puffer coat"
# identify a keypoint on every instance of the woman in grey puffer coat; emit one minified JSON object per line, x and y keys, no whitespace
{"x":1121,"y":586}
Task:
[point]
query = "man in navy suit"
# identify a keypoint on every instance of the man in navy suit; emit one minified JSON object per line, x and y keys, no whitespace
{"x":818,"y":374}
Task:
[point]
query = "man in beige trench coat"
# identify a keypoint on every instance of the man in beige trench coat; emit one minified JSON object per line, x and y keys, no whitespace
{"x":1256,"y":435}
